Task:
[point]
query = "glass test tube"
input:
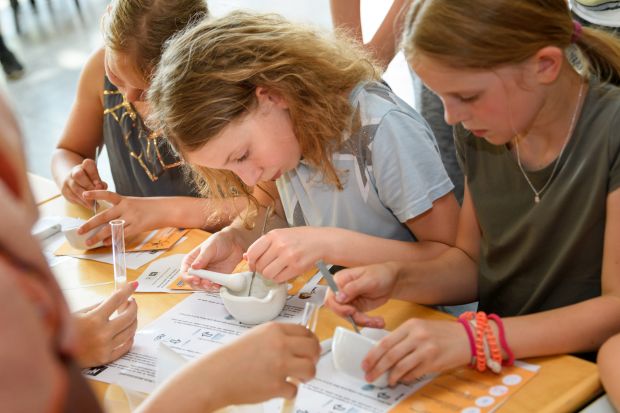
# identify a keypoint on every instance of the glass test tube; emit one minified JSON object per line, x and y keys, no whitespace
{"x":309,"y":319}
{"x":118,"y":252}
{"x":310,"y":316}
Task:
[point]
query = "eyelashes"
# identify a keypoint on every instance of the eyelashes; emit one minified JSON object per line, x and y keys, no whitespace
{"x":468,"y":98}
{"x":243,"y":157}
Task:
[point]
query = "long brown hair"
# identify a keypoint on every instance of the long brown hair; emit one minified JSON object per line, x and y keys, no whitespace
{"x":141,"y":27}
{"x":209,"y":74}
{"x":485,"y":34}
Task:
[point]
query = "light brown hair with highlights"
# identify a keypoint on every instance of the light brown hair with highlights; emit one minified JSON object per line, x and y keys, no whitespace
{"x":209,"y":74}
{"x":484,"y":34}
{"x":141,"y":27}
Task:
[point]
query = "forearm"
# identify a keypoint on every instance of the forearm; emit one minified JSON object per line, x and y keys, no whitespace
{"x":350,"y":249}
{"x":205,"y":213}
{"x":576,"y":328}
{"x":346,"y":15}
{"x":167,"y":397}
{"x":63,"y":161}
{"x":384,"y":44}
{"x":451,"y":278}
{"x":608,"y":361}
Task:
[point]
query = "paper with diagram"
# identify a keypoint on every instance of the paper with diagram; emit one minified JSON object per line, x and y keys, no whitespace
{"x":196,"y":326}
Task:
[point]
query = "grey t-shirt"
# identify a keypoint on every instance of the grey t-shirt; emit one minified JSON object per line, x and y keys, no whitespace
{"x":390,"y":169}
{"x":142,"y":162}
{"x":536,"y":257}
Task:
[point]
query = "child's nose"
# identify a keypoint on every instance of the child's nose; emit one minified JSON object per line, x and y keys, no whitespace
{"x":249,"y":175}
{"x":452,"y":114}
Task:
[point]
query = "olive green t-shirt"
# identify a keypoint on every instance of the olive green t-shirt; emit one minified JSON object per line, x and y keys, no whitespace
{"x":536,"y":257}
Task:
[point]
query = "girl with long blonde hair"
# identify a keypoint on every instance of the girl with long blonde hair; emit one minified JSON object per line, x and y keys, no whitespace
{"x":39,"y":337}
{"x":539,"y":229}
{"x":252,"y":98}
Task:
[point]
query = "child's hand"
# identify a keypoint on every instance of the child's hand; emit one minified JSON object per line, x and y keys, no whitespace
{"x":83,"y":177}
{"x":363,"y":289}
{"x":416,"y":348}
{"x":286,"y":351}
{"x":139,"y":213}
{"x":285,"y":253}
{"x":101,"y":339}
{"x":220,"y":252}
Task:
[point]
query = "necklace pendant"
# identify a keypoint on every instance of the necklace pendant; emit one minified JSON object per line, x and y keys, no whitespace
{"x":536,"y":199}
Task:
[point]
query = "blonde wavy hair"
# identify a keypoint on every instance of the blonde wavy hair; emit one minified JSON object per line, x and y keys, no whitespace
{"x":208,"y":76}
{"x":141,"y":27}
{"x":484,"y":34}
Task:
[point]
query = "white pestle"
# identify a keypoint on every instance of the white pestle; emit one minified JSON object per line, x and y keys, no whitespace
{"x":234,"y":282}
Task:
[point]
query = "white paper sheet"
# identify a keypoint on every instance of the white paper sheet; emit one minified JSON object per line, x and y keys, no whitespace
{"x":197,"y":325}
{"x":332,"y":391}
{"x":160,"y":274}
{"x":168,"y":362}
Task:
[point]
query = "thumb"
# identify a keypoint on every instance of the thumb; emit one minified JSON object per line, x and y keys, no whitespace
{"x":90,"y":168}
{"x":363,"y":319}
{"x":205,"y":256}
{"x":118,"y":298}
{"x":256,"y":251}
{"x":189,"y":259}
{"x":351,"y":284}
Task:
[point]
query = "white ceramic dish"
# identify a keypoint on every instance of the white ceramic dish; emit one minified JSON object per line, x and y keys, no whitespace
{"x":349,"y":350}
{"x":265,"y":302}
{"x":79,"y":241}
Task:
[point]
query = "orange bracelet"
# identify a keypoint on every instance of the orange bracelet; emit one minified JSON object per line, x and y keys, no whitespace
{"x":488,"y":353}
{"x":494,"y":359}
{"x":481,"y":326}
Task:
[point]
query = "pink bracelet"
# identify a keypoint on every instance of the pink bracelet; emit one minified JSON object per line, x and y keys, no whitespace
{"x":502,"y":340}
{"x":472,"y":342}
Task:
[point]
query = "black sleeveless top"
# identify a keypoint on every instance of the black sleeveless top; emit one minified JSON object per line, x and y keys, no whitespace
{"x":142,"y":163}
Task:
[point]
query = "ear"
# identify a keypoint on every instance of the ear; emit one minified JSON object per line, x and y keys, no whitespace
{"x":548,"y":62}
{"x":266,"y":96}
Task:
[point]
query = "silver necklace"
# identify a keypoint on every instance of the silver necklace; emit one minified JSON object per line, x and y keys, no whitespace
{"x":538,"y":193}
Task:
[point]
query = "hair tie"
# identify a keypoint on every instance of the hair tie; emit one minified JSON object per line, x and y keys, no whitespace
{"x":577,"y":30}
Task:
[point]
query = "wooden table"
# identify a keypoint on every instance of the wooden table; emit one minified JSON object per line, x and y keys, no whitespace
{"x":563,"y":384}
{"x":43,"y":189}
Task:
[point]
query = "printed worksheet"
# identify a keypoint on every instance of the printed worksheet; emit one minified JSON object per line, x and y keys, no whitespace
{"x":462,"y":390}
{"x":465,"y":390}
{"x":196,"y":326}
{"x":160,"y":274}
{"x":333,"y":391}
